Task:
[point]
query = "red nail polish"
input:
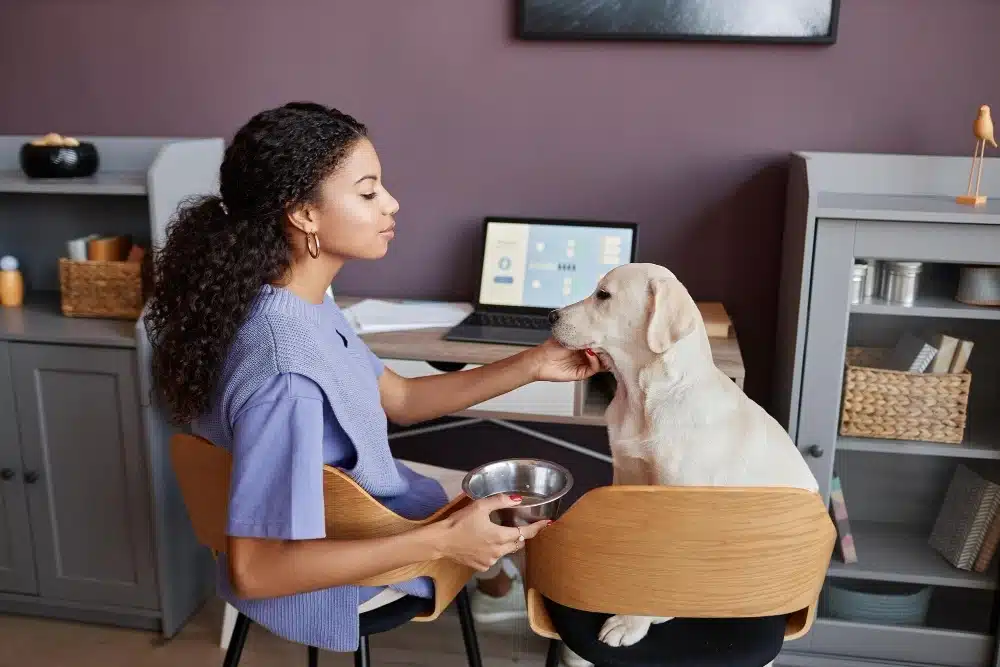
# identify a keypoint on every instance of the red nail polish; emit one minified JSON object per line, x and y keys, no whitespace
{"x":590,"y":352}
{"x":516,"y":498}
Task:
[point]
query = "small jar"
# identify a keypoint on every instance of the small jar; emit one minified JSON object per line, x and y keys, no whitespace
{"x":11,"y":282}
{"x":899,"y":287}
{"x":858,"y":275}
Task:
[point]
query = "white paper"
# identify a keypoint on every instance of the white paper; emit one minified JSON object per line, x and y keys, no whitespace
{"x":375,"y":315}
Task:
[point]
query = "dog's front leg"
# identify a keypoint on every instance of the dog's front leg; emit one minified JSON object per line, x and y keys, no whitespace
{"x":627,"y":630}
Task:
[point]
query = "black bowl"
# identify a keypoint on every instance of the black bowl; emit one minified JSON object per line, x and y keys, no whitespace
{"x":59,"y":161}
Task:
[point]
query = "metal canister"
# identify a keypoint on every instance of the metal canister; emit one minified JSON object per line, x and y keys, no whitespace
{"x":899,"y":287}
{"x":873,"y":278}
{"x":858,"y":275}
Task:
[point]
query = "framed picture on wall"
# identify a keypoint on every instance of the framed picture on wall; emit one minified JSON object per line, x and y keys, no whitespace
{"x":771,"y":21}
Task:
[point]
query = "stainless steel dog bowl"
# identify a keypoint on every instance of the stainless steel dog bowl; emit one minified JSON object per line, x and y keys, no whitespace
{"x":541,"y":485}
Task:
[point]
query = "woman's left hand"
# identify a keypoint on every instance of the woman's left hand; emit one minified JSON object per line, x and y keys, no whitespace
{"x":554,"y":363}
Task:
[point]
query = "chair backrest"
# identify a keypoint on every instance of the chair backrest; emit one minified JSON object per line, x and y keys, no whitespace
{"x":685,"y":552}
{"x":203,"y":473}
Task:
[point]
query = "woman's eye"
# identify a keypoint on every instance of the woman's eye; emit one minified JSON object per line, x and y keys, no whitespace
{"x":370,"y":196}
{"x":603,"y":294}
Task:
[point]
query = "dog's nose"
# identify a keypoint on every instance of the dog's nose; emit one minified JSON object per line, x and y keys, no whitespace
{"x":553,"y":316}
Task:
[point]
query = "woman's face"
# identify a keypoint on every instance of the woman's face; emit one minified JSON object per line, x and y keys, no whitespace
{"x":354,"y":216}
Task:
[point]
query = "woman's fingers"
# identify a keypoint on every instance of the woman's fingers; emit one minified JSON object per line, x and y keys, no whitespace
{"x":533,"y":529}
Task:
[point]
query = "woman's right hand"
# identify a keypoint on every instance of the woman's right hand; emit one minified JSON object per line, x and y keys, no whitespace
{"x":472,"y":539}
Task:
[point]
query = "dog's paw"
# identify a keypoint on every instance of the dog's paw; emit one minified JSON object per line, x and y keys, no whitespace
{"x":624,"y":630}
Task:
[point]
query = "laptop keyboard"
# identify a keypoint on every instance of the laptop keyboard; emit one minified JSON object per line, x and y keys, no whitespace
{"x":508,"y":320}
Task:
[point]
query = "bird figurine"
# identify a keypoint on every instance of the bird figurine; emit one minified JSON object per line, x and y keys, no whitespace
{"x":983,"y":129}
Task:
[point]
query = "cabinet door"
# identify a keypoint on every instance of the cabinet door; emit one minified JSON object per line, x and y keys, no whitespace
{"x":17,"y":559}
{"x":87,"y":484}
{"x":826,"y":346}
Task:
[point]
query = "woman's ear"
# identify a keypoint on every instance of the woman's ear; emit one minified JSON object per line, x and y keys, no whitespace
{"x":302,"y":217}
{"x":670,"y":316}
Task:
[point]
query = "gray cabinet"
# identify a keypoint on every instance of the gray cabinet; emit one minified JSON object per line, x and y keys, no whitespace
{"x":842,"y":208}
{"x":86,"y":480}
{"x":93,"y":527}
{"x":17,"y":560}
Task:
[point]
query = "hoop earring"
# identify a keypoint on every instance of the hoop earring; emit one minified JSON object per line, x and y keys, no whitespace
{"x":315,"y":239}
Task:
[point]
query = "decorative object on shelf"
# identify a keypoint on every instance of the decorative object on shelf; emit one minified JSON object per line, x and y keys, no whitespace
{"x":982,"y":128}
{"x":900,"y":405}
{"x":773,"y":21}
{"x":108,"y":289}
{"x":55,"y":156}
{"x":880,"y":602}
{"x":979,"y":286}
{"x":968,"y":509}
{"x":11,"y":282}
{"x":900,"y":283}
{"x":838,"y":510}
{"x":77,"y":248}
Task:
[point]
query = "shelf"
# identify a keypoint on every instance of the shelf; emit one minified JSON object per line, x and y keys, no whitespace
{"x":894,"y":552}
{"x":882,"y":446}
{"x":905,"y":208}
{"x":929,"y":306}
{"x":102,"y":183}
{"x":39,"y":320}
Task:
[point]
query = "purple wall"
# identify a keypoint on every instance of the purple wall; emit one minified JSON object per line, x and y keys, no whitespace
{"x":688,"y":140}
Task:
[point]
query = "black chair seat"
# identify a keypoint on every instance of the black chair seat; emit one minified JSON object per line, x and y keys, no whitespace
{"x":393,"y":615}
{"x":682,"y":642}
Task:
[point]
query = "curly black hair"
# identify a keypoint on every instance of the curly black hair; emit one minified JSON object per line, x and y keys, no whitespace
{"x":220,"y":250}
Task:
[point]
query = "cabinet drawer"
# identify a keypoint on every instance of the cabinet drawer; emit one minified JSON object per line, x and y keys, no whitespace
{"x":538,"y":398}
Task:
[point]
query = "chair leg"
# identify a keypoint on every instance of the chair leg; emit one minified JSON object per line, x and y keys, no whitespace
{"x":239,"y":637}
{"x":552,"y":657}
{"x":313,"y":656}
{"x":362,"y":657}
{"x":468,"y":629}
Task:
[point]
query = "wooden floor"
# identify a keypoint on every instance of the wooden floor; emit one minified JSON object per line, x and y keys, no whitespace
{"x":34,"y":642}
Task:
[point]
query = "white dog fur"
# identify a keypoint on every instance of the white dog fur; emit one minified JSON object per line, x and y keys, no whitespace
{"x":675,"y":419}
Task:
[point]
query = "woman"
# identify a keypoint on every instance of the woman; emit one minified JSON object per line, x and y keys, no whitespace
{"x":250,"y":351}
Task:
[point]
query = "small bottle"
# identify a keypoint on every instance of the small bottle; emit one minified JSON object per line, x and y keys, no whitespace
{"x":11,"y":282}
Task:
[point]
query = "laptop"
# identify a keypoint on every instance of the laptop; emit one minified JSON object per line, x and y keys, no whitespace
{"x":531,"y":267}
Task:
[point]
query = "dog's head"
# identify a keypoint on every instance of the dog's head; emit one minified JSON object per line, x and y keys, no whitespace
{"x":636,"y":311}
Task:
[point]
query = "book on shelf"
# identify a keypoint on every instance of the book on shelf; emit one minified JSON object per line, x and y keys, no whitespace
{"x":989,"y":548}
{"x":966,"y":515}
{"x":961,"y":360}
{"x":929,"y":353}
{"x":838,"y":510}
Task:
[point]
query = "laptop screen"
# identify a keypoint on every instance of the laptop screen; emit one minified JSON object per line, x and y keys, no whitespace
{"x":548,"y":265}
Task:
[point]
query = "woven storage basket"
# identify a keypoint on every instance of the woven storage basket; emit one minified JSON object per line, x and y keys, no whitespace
{"x":897,"y":405}
{"x":101,"y":289}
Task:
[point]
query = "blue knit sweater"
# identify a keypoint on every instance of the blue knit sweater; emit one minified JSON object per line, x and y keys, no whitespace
{"x":281,"y":335}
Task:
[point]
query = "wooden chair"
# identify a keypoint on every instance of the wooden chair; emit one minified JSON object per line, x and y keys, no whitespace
{"x":739,"y":569}
{"x":203,"y":473}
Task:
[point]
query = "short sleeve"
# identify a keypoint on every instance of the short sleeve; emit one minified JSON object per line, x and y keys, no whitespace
{"x":376,"y":363}
{"x":276,"y":489}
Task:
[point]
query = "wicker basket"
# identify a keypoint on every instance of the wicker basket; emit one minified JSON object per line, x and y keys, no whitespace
{"x":897,"y":405}
{"x":101,"y":289}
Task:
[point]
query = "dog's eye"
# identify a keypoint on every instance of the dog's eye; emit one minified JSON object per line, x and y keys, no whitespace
{"x":602,"y":294}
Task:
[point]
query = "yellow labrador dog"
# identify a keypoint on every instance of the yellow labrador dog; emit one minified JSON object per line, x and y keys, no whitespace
{"x":675,"y":418}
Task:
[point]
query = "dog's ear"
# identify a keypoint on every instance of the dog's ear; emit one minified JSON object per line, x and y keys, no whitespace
{"x":670,"y":316}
